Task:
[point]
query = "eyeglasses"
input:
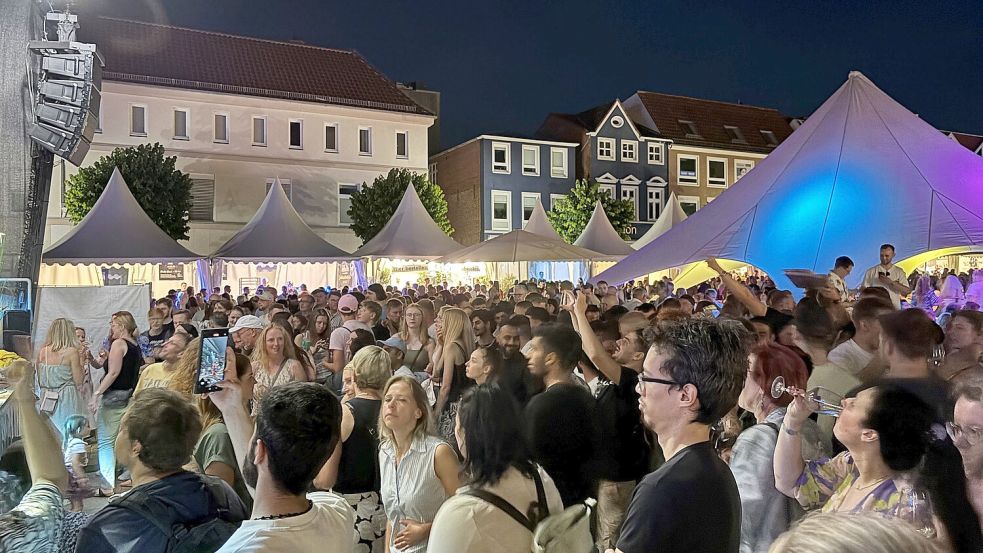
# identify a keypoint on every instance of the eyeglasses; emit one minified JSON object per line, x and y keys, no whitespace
{"x":972,"y":435}
{"x":644,"y":378}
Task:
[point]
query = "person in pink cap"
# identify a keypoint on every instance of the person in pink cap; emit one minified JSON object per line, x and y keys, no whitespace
{"x":338,"y":344}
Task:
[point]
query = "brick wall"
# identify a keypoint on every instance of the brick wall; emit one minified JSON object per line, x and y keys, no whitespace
{"x":459,"y":176}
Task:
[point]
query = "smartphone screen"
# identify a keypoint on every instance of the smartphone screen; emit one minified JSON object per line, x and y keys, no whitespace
{"x":211,"y":360}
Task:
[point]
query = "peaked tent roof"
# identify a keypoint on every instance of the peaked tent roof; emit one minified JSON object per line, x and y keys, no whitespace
{"x":539,"y":223}
{"x":117,"y":214}
{"x":521,"y":245}
{"x":860,"y":172}
{"x":672,"y":214}
{"x":411,"y":233}
{"x":599,"y":235}
{"x":277,"y":233}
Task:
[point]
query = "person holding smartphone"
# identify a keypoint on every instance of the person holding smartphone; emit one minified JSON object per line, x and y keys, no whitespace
{"x":889,"y":276}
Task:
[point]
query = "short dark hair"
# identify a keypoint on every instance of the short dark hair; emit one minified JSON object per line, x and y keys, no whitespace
{"x":166,"y":301}
{"x":710,"y":354}
{"x":538,"y":313}
{"x":485,"y":316}
{"x":517,"y":321}
{"x":534,"y":296}
{"x":870,"y":308}
{"x":166,"y":425}
{"x":593,"y":309}
{"x":888,"y":247}
{"x":493,"y":435}
{"x":561,"y":340}
{"x":299,"y":424}
{"x":606,"y":329}
{"x":843,"y":262}
{"x":814,"y":322}
{"x":974,"y":318}
{"x":876,"y":291}
{"x":912,"y":332}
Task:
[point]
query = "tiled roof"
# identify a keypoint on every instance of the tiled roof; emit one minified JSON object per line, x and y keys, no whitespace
{"x":558,"y":125}
{"x":163,"y":55}
{"x":709,"y":117}
{"x":970,"y":141}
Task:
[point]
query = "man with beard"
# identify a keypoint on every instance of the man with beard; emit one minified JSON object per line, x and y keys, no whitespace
{"x":245,"y":333}
{"x":297,"y":429}
{"x":966,"y":431}
{"x":156,"y":437}
{"x":515,"y":373}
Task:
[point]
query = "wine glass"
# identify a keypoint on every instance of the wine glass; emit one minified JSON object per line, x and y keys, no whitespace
{"x":938,"y":356}
{"x":826,"y":401}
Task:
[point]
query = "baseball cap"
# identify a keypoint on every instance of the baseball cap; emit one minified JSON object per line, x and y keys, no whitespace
{"x":267,"y":295}
{"x":247,"y":321}
{"x":393,"y":342}
{"x":348,"y":304}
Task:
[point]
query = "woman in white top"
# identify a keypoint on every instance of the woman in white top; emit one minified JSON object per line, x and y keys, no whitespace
{"x":419,"y":471}
{"x":974,"y":292}
{"x":952,"y":292}
{"x":497,"y":461}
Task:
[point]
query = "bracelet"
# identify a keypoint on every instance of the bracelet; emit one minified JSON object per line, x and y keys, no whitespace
{"x":790,"y":432}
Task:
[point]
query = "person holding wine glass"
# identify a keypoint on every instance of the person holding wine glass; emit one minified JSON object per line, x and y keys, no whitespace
{"x":899,"y":463}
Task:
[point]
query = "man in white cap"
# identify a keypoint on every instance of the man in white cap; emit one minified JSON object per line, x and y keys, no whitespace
{"x":264,"y":301}
{"x":245,"y":332}
{"x":340,"y":338}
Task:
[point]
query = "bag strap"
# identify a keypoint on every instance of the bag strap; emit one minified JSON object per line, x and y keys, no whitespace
{"x":505,"y":506}
{"x":278,"y":371}
{"x":542,"y":507}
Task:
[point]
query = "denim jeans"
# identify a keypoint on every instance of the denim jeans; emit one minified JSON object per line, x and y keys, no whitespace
{"x":107,"y":427}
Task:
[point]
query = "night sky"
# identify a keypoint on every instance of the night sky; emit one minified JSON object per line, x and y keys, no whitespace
{"x":502,"y":66}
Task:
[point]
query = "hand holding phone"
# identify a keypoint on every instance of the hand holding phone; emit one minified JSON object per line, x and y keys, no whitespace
{"x":212,"y":360}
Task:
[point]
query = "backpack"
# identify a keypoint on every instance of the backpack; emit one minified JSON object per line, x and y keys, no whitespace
{"x":205,"y":535}
{"x":566,"y":532}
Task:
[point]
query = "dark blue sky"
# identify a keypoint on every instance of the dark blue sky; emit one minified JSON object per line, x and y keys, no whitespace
{"x":503,"y":65}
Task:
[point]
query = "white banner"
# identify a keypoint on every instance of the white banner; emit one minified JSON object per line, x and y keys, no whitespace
{"x":89,"y":307}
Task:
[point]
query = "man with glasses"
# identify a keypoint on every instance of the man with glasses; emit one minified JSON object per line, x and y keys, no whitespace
{"x":691,"y":377}
{"x":966,"y":432}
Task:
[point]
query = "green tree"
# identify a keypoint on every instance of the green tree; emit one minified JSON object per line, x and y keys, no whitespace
{"x":373,"y":206}
{"x":162,"y":191}
{"x":570,"y":215}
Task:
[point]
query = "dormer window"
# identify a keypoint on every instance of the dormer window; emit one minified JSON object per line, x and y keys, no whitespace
{"x":617,"y":122}
{"x":770,"y":138}
{"x":735,"y":134}
{"x":690,"y":129}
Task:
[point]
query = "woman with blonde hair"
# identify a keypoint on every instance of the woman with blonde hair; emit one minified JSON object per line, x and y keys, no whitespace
{"x":455,"y":342}
{"x":274,"y":362}
{"x":923,"y":297}
{"x":952,"y":292}
{"x":353,"y":468}
{"x":853,"y":533}
{"x":413,"y":332}
{"x":418,"y":470}
{"x":109,"y":401}
{"x":60,"y":373}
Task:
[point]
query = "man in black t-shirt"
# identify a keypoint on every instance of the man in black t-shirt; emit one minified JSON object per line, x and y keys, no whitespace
{"x":693,"y":373}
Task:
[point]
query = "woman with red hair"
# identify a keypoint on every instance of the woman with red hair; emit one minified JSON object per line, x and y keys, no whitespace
{"x":766,"y":512}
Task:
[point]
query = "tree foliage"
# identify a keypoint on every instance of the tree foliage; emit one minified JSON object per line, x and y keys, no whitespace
{"x":373,"y":206}
{"x":162,"y":191}
{"x":570,"y":215}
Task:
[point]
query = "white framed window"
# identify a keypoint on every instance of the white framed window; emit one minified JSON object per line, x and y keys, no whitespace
{"x":331,"y":137}
{"x":656,"y":153}
{"x":735,"y":134}
{"x":770,"y":138}
{"x":558,"y":163}
{"x":221,"y":135}
{"x":296,"y":134}
{"x":202,"y":198}
{"x":689,"y":204}
{"x":630,"y":193}
{"x":530,"y":160}
{"x":181,"y":118}
{"x":365,"y":141}
{"x":285,"y":184}
{"x":605,"y":149}
{"x":138,"y":120}
{"x":688,"y":170}
{"x":654,"y":204}
{"x":501,"y":158}
{"x":345,"y":192}
{"x":555,"y":198}
{"x":609,"y":188}
{"x":501,"y":210}
{"x":402,"y":144}
{"x":528,"y":205}
{"x":629,"y":150}
{"x":259,"y":130}
{"x":432,"y":173}
{"x":717,"y":172}
{"x":617,"y":122}
{"x":741,"y":167}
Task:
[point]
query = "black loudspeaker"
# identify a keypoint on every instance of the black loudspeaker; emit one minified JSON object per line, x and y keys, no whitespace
{"x":17,"y":320}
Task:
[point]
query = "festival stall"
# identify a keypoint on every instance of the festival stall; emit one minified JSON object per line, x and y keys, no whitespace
{"x":573,"y":271}
{"x":407,"y":246}
{"x":860,"y":172}
{"x":277,"y":246}
{"x":116,"y":243}
{"x":600,"y":236}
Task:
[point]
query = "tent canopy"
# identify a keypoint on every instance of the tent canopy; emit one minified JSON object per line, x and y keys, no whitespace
{"x":672,"y":214}
{"x":410,"y":234}
{"x":539,"y":223}
{"x":117,"y":230}
{"x":599,"y":235}
{"x":521,"y":245}
{"x":277,"y":233}
{"x":860,"y":172}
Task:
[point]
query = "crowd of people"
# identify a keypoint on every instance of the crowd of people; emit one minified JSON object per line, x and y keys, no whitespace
{"x":637,"y":418}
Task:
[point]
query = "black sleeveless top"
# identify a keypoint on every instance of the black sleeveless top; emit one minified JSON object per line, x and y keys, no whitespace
{"x":460,"y":383}
{"x":130,"y":371}
{"x":358,"y":470}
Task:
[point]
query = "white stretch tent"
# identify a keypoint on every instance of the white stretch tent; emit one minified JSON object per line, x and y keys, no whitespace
{"x":539,"y":223}
{"x":410,"y":234}
{"x":520,"y":245}
{"x":117,"y":230}
{"x":672,"y":214}
{"x":861,"y":171}
{"x":599,"y":235}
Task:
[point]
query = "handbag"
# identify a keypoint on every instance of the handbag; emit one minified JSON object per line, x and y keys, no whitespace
{"x":115,"y":399}
{"x":48,"y":402}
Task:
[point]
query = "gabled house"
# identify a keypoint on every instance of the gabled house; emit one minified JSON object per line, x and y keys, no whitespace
{"x":972,"y":142}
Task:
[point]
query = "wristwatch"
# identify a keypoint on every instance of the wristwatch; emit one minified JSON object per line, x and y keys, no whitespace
{"x":789,"y":431}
